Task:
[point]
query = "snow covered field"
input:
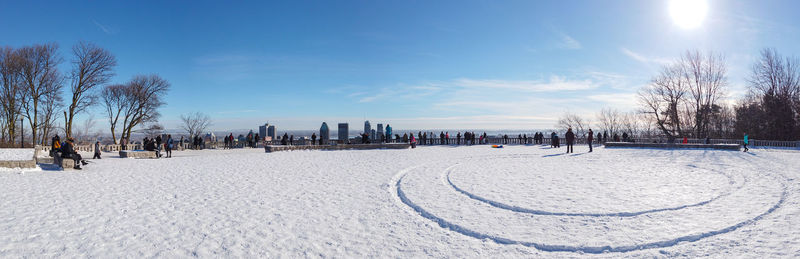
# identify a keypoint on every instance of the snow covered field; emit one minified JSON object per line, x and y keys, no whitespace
{"x":431,"y":201}
{"x":16,"y":154}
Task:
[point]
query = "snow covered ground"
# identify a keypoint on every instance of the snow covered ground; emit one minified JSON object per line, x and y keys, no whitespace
{"x":16,"y":154}
{"x":519,"y":201}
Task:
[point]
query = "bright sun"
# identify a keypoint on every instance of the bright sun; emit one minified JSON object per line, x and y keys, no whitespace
{"x":688,"y":14}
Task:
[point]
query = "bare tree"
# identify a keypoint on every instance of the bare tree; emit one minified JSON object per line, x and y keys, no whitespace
{"x":145,"y":97}
{"x":772,"y":109}
{"x":39,"y":74}
{"x":195,"y":123}
{"x":84,"y":133}
{"x":51,"y":106}
{"x":153,"y":129}
{"x":570,"y":120}
{"x":609,"y":120}
{"x":92,"y":66}
{"x":663,"y":100}
{"x":706,"y":78}
{"x":629,"y":123}
{"x":11,"y":91}
{"x":115,"y":100}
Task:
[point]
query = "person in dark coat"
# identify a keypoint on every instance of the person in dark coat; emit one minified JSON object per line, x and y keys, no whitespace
{"x":570,"y":137}
{"x":55,"y":145}
{"x":599,"y":138}
{"x":96,"y":150}
{"x":589,"y":139}
{"x":625,"y":136}
{"x":313,"y":138}
{"x":291,"y":140}
{"x":169,"y":146}
{"x":158,"y":146}
{"x":285,"y":139}
{"x":68,"y":151}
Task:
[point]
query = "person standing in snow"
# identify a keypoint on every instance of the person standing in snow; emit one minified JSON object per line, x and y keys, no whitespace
{"x":158,"y":146}
{"x":746,"y":141}
{"x":413,"y":141}
{"x":96,"y":150}
{"x":285,"y":139}
{"x":570,"y":137}
{"x":589,"y":139}
{"x":313,"y":138}
{"x":168,"y":146}
{"x":291,"y":140}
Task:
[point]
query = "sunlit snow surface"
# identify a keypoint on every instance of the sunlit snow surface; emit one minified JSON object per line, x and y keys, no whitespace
{"x":519,"y":201}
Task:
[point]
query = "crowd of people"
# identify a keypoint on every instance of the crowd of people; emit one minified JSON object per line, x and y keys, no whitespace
{"x":66,"y":149}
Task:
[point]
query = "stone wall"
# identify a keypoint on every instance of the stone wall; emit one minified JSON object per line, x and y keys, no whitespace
{"x":137,"y":154}
{"x":274,"y":148}
{"x":671,"y":146}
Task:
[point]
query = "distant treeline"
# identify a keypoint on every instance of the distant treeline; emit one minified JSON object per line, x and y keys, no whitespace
{"x":688,"y":99}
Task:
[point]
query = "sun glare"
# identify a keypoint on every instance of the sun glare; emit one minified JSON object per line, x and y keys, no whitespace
{"x":688,"y":14}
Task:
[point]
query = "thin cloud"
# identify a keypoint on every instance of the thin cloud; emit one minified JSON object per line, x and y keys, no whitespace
{"x":555,"y":84}
{"x":568,"y":42}
{"x":105,"y":28}
{"x":644,"y":59}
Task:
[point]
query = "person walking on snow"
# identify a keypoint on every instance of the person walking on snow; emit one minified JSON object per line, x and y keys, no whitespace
{"x":96,"y":150}
{"x":746,"y":141}
{"x":589,"y":139}
{"x":570,"y":137}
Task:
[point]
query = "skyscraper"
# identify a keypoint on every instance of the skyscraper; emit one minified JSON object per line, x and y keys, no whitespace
{"x":324,"y":133}
{"x":272,"y":132}
{"x":379,"y":131}
{"x":262,"y":130}
{"x":344,"y":134}
{"x":367,"y":127}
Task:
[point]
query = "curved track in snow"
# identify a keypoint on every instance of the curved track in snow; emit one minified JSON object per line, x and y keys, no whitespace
{"x":405,"y":199}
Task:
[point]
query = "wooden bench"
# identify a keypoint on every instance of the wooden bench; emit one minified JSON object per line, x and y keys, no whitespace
{"x":137,"y":154}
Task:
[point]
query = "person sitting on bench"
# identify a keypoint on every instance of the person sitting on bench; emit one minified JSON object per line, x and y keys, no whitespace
{"x":68,"y":151}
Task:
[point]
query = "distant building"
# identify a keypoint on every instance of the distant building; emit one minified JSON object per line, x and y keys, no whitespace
{"x":379,"y":131}
{"x":344,"y":132}
{"x":372,"y":135}
{"x":272,"y":132}
{"x":324,"y":133}
{"x":367,"y":127}
{"x":262,"y":130}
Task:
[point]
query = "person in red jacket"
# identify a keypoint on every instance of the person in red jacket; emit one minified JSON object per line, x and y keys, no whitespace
{"x":685,"y":140}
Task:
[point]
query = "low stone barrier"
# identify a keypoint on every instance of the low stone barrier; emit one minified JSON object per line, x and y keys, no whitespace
{"x":137,"y":154}
{"x":20,"y":162}
{"x":275,"y":148}
{"x":671,"y":145}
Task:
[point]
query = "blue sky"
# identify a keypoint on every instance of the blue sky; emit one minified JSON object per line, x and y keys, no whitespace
{"x":412,"y":64}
